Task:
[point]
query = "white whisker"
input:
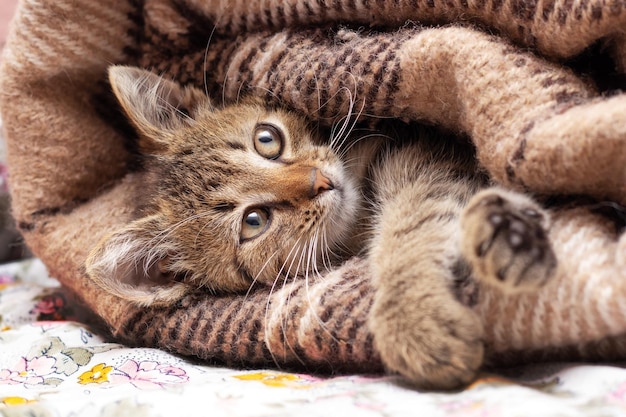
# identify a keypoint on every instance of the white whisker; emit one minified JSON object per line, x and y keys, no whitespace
{"x":314,"y":270}
{"x":256,"y":277}
{"x":326,"y":252}
{"x":348,"y":123}
{"x":268,"y":92}
{"x":288,"y":301}
{"x":273,"y":288}
{"x":204,"y":64}
{"x":239,"y":90}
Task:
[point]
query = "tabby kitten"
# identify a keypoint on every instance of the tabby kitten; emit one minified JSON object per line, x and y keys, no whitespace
{"x":248,"y":194}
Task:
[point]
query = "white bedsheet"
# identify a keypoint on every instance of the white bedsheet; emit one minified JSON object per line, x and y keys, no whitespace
{"x":52,"y":365}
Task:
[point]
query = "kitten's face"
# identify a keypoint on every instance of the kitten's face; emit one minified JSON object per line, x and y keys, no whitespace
{"x":251,"y":190}
{"x":232,"y":196}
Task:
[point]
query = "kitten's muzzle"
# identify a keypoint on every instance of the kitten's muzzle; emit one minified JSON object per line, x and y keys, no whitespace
{"x":297,"y":183}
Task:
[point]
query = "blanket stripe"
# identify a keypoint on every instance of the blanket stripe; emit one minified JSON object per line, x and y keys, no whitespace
{"x":555,"y":27}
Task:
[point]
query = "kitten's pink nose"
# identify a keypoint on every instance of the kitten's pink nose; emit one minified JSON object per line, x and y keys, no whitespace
{"x":321,"y":183}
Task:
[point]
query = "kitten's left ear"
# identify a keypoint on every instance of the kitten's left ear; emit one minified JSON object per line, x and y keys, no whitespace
{"x":126,"y":264}
{"x":154,"y":104}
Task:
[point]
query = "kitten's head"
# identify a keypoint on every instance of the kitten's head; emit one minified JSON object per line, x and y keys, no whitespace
{"x":234,"y":195}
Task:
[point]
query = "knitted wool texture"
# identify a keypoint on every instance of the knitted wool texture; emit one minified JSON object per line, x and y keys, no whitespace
{"x":537,"y":126}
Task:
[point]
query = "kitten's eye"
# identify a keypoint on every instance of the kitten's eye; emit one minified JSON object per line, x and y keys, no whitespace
{"x":254,"y":223}
{"x":268,"y":141}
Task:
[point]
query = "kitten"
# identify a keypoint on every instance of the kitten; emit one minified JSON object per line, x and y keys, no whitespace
{"x":248,"y":194}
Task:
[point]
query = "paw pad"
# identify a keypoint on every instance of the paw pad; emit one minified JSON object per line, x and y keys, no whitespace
{"x":509,"y":241}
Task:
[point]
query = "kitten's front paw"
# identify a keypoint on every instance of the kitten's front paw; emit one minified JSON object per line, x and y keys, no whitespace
{"x":437,"y":344}
{"x":504,"y":237}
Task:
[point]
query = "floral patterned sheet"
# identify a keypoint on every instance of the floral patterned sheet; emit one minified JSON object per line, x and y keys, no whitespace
{"x":51,"y":364}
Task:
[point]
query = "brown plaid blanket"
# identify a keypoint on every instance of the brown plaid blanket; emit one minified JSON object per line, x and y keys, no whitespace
{"x":534,"y":84}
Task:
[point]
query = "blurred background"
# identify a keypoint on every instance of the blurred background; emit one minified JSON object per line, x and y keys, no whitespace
{"x":7,"y":8}
{"x":11,"y":244}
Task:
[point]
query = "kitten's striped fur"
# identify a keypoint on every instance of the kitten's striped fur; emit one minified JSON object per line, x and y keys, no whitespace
{"x":249,"y":195}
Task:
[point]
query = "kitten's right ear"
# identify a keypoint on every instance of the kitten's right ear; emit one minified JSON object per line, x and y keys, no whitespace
{"x":155,"y":105}
{"x":126,"y":264}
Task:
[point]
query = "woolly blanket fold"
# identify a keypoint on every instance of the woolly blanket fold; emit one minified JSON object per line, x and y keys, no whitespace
{"x":488,"y":69}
